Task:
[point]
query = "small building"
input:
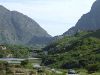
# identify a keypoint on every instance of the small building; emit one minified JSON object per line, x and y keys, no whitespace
{"x":72,"y":72}
{"x":3,"y":47}
{"x":36,"y":66}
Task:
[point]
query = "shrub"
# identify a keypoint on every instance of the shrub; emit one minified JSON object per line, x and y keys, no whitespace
{"x":92,"y":68}
{"x":25,"y":62}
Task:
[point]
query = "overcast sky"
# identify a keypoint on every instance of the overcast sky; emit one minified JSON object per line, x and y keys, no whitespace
{"x":55,"y":16}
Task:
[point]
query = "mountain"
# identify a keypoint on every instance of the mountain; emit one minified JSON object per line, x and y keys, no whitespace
{"x":89,"y":21}
{"x":17,"y":28}
{"x":80,"y":50}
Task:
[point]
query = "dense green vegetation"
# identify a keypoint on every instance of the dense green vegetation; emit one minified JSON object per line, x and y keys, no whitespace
{"x":79,"y":51}
{"x":15,"y":51}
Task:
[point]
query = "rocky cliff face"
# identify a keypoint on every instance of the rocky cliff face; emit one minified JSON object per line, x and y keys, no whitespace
{"x":88,"y":22}
{"x":17,"y":28}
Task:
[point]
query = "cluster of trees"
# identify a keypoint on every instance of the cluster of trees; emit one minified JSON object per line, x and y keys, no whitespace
{"x":79,"y":51}
{"x":15,"y":51}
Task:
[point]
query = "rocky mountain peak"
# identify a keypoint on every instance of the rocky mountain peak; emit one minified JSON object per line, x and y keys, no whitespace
{"x":89,"y":21}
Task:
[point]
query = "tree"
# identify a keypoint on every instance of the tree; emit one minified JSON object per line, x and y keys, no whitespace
{"x":25,"y":62}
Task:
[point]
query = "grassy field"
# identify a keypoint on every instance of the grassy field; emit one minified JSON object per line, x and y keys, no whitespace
{"x":11,"y":69}
{"x":49,"y":72}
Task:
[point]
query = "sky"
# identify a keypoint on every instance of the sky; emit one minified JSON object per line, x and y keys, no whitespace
{"x":55,"y":16}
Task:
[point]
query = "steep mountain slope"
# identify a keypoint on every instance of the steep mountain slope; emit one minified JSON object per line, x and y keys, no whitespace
{"x":16,"y":28}
{"x":88,"y":22}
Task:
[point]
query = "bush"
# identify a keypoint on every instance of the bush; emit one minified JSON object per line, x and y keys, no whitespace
{"x":71,"y":64}
{"x":92,"y":68}
{"x":25,"y":62}
{"x":3,"y":65}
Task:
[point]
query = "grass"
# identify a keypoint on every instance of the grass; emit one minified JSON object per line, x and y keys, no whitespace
{"x":49,"y":72}
{"x":84,"y":72}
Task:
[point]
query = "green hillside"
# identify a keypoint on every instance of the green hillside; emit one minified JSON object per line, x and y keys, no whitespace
{"x":14,"y":51}
{"x":79,"y":51}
